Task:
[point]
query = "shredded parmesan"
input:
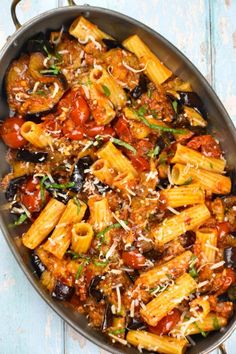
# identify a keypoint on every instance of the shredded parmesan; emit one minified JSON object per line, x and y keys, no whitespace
{"x":121,"y":222}
{"x":56,"y":89}
{"x":203,"y":283}
{"x":132,"y":307}
{"x":36,"y":85}
{"x":111,"y":250}
{"x":132,"y":69}
{"x":174,"y":211}
{"x":57,"y":41}
{"x":122,"y":341}
{"x":25,"y":210}
{"x":217,"y":265}
{"x":92,"y":39}
{"x":86,"y":91}
{"x":118,"y":298}
{"x":169,"y":176}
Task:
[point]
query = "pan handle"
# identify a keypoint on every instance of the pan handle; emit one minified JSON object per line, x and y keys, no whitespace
{"x":222,"y":349}
{"x":14,"y":16}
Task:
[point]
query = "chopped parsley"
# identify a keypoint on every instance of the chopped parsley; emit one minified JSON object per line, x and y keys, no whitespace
{"x":117,"y":331}
{"x":53,"y":69}
{"x":192,"y":270}
{"x":124,"y":144}
{"x":47,"y":52}
{"x":100,"y":264}
{"x":216,"y":324}
{"x":203,"y":333}
{"x":175,"y":106}
{"x":61,"y":186}
{"x":106,"y":90}
{"x":40,"y":93}
{"x":81,"y":267}
{"x":73,"y":255}
{"x":149,"y":93}
{"x":20,"y":220}
{"x":102,"y":233}
{"x":42,"y":189}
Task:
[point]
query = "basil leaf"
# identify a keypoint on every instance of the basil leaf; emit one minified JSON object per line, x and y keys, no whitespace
{"x":100,"y":264}
{"x":160,"y":127}
{"x":77,"y":202}
{"x":61,"y":186}
{"x":21,"y":219}
{"x":124,"y":144}
{"x":175,"y":106}
{"x":153,"y":153}
{"x":42,"y":189}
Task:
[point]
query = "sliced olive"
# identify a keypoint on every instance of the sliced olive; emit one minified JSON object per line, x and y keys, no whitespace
{"x":39,"y":267}
{"x":78,"y":174}
{"x":230,"y":257}
{"x":13,"y":186}
{"x":108,"y":318}
{"x":93,"y":290}
{"x":31,"y":156}
{"x":102,"y":188}
{"x":62,"y":291}
{"x":188,"y":239}
{"x":112,"y":43}
{"x":153,"y":255}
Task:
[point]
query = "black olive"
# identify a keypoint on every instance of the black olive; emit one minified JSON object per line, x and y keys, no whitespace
{"x":78,"y":174}
{"x":136,"y":323}
{"x":164,"y":183}
{"x":93,"y":291}
{"x":188,"y":239}
{"x":192,"y":99}
{"x":39,"y":267}
{"x":31,"y":156}
{"x":112,"y":43}
{"x":230,"y":257}
{"x":102,"y":188}
{"x":13,"y":186}
{"x":62,"y":291}
{"x":223,"y":297}
{"x":140,"y":88}
{"x":108,"y":318}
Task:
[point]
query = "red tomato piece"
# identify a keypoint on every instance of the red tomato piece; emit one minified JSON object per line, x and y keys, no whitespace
{"x":30,"y":195}
{"x":80,"y":111}
{"x":10,"y":132}
{"x":206,"y":144}
{"x":140,"y":163}
{"x":133,"y":259}
{"x":71,"y":131}
{"x":223,"y":228}
{"x":167,"y":323}
{"x":93,"y":130}
{"x":122,"y":130}
{"x":228,"y":278}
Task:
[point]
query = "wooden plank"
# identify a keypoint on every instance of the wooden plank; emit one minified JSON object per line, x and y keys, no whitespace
{"x":223,"y":30}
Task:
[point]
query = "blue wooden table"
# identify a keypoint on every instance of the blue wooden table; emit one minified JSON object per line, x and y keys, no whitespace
{"x":205,"y":31}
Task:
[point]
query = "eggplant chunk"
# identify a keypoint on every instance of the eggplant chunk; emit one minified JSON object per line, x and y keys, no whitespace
{"x":62,"y":292}
{"x":230,"y":257}
{"x":31,"y":156}
{"x":93,"y":291}
{"x":13,"y":186}
{"x":112,"y":43}
{"x":39,"y":43}
{"x":192,"y":99}
{"x":39,"y":267}
{"x":135,"y":323}
{"x":78,"y":174}
{"x":108,"y":318}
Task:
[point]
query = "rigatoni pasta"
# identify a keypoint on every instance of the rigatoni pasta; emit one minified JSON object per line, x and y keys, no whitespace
{"x":121,"y":197}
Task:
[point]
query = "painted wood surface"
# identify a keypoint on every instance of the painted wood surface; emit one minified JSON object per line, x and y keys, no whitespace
{"x":205,"y":31}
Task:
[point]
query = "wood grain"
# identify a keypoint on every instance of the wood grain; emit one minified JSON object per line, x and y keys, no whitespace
{"x":205,"y":31}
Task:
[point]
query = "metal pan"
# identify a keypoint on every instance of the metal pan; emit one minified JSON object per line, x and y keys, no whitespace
{"x":120,"y":27}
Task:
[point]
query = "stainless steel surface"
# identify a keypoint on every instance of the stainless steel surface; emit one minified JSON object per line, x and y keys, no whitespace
{"x":119,"y":26}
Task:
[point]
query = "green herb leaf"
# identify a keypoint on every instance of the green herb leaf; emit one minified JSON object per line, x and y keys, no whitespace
{"x":175,"y":106}
{"x":149,"y":93}
{"x":153,"y":153}
{"x":53,"y":69}
{"x":216,"y":324}
{"x":162,"y":160}
{"x":40,"y":93}
{"x":79,"y":271}
{"x":73,"y":255}
{"x":21,"y":219}
{"x":188,"y":181}
{"x":106,"y":90}
{"x":46,"y":50}
{"x":192,"y":270}
{"x":160,"y":127}
{"x":124,"y":144}
{"x":42,"y":189}
{"x":141,"y":111}
{"x":117,"y":331}
{"x":77,"y":202}
{"x":61,"y":186}
{"x":154,"y":113}
{"x":108,"y":228}
{"x":203,"y":333}
{"x":100,"y":264}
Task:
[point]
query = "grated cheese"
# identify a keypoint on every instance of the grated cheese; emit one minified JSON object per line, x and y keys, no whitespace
{"x":132,"y":307}
{"x":122,"y":341}
{"x":36,"y":85}
{"x":56,"y":89}
{"x":217,"y":265}
{"x":174,"y":211}
{"x":57,"y":41}
{"x":121,"y":222}
{"x":132,"y":69}
{"x":111,"y":250}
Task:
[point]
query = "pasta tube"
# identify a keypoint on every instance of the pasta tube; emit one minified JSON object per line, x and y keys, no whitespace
{"x":153,"y":342}
{"x":155,"y":69}
{"x":35,"y":135}
{"x":108,"y":86}
{"x":184,"y":195}
{"x":100,"y":213}
{"x":116,"y":159}
{"x":82,"y":236}
{"x":194,"y":117}
{"x":82,"y":29}
{"x":188,"y":219}
{"x":60,"y":239}
{"x":206,"y":238}
{"x":44,"y":224}
{"x":210,"y":323}
{"x":103,"y":112}
{"x":200,"y":307}
{"x":159,"y":307}
{"x":102,"y":170}
{"x":160,"y":274}
{"x":186,"y":155}
{"x":211,"y":182}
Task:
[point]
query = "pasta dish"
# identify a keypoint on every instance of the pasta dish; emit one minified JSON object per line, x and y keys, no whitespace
{"x":118,"y":190}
